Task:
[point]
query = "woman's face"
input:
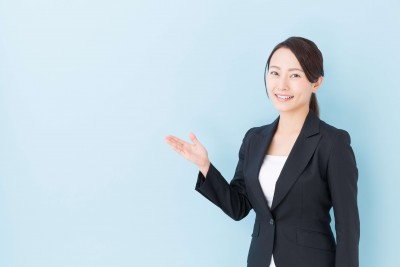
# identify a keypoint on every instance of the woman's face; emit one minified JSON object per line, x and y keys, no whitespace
{"x":287,"y":85}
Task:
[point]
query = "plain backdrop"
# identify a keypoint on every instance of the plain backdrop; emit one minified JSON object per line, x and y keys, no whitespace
{"x":89,"y":89}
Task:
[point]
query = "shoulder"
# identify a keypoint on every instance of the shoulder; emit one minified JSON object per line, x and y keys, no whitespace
{"x":335,"y":143}
{"x":333,"y":135}
{"x":259,"y":130}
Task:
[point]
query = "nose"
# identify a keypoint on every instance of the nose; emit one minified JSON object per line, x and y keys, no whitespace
{"x":281,"y":84}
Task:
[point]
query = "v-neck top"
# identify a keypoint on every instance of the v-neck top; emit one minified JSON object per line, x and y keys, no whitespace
{"x":269,"y":173}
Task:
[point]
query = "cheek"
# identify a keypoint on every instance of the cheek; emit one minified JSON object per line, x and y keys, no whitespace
{"x":269,"y":91}
{"x":301,"y":87}
{"x":269,"y":84}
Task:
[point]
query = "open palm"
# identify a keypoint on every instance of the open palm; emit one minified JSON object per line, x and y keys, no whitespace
{"x":195,"y":152}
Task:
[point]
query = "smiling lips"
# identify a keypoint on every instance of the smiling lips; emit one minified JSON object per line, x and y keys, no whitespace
{"x":283,"y":98}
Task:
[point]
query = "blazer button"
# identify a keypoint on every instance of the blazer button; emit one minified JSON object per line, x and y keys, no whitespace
{"x":271,"y":221}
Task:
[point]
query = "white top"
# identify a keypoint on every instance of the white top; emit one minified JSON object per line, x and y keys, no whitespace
{"x":270,"y":170}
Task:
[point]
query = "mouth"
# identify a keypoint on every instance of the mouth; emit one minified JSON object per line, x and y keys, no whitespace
{"x":283,"y":98}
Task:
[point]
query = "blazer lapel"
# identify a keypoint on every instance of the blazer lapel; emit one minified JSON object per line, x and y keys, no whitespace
{"x":258,"y":147}
{"x":297,"y":160}
{"x":298,"y":157}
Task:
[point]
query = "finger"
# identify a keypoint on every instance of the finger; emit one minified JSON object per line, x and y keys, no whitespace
{"x":175,"y":140}
{"x":179,"y":145}
{"x":178,"y":150}
{"x":175,"y":145}
{"x":194,"y":139}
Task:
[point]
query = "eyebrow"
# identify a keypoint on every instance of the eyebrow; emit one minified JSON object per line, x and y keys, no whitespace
{"x":291,"y":69}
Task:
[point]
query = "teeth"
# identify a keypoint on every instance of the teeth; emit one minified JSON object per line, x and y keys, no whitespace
{"x":284,"y":97}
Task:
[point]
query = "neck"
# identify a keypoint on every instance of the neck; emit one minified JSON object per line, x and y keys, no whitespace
{"x":291,"y":122}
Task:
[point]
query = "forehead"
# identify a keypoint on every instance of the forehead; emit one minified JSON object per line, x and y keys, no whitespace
{"x":284,"y":58}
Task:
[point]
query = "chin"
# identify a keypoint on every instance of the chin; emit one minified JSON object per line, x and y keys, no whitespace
{"x":283,"y":108}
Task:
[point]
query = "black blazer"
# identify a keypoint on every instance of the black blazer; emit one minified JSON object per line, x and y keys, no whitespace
{"x":319,"y":173}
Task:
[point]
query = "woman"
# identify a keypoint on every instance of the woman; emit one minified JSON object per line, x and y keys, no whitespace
{"x":291,"y":172}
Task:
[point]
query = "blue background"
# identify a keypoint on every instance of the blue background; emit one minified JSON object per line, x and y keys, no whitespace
{"x":89,"y":89}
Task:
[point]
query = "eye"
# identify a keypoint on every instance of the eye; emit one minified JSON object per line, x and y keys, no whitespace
{"x":273,"y":73}
{"x":295,"y":75}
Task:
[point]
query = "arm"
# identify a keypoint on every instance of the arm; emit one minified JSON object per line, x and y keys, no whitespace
{"x":342,"y":176}
{"x":232,"y":197}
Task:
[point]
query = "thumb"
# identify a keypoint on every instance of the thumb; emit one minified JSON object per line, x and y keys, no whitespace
{"x":194,"y":139}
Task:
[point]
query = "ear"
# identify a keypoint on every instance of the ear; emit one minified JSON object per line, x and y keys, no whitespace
{"x":317,"y":84}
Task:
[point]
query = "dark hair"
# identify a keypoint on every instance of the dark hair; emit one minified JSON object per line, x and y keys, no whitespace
{"x":310,"y":59}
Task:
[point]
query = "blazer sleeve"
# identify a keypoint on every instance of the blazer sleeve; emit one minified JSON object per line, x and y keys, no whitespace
{"x":230,"y":197}
{"x":342,"y":174}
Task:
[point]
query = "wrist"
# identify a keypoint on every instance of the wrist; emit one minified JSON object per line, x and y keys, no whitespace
{"x":204,"y":168}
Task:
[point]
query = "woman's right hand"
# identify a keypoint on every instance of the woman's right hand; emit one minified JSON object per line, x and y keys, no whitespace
{"x":195,"y":152}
